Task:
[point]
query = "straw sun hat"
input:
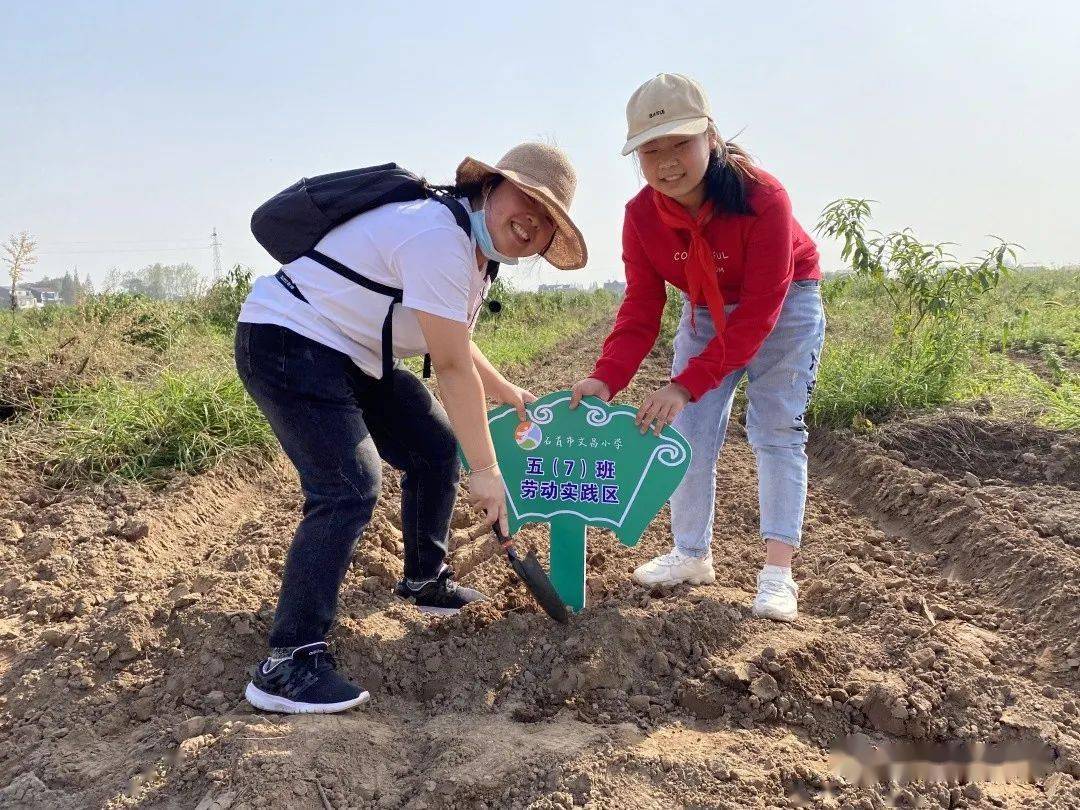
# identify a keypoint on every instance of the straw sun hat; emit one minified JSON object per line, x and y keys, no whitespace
{"x":545,"y":174}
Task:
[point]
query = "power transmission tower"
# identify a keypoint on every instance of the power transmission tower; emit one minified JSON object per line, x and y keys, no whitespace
{"x":215,"y":250}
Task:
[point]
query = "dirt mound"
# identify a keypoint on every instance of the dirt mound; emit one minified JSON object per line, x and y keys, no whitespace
{"x":1027,"y":475}
{"x":929,"y":612}
{"x":961,"y":447}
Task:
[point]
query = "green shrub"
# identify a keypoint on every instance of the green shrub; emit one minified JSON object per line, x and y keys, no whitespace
{"x":138,"y":320}
{"x":929,"y":291}
{"x":220,"y":307}
{"x":15,"y":337}
{"x":915,"y":309}
{"x":42,"y":318}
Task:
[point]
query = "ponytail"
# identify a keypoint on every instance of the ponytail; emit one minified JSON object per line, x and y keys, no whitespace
{"x":728,"y":176}
{"x":474,"y":192}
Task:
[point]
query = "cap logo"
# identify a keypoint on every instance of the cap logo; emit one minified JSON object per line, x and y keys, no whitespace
{"x":654,"y":114}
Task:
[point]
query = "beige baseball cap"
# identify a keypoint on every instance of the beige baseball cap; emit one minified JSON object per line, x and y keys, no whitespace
{"x":670,"y":104}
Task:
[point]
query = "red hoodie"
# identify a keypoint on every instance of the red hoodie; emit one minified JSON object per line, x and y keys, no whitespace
{"x":757,"y":257}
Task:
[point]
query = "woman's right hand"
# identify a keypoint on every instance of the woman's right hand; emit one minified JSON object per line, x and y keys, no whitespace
{"x":589,"y":387}
{"x":487,"y":492}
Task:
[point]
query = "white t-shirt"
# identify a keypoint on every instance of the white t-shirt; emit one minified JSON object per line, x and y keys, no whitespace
{"x":416,"y":247}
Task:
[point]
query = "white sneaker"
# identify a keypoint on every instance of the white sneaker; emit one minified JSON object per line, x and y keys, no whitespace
{"x":777,"y":597}
{"x":674,"y":568}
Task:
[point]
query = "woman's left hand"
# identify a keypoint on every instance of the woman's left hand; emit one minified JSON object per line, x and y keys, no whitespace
{"x":516,"y":397}
{"x":661,"y":407}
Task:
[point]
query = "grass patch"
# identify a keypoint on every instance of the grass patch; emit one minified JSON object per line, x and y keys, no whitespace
{"x":185,"y":421}
{"x":669,"y":322}
{"x":1033,"y":310}
{"x":860,"y":381}
{"x":531,"y":324}
{"x":1062,"y":404}
{"x":127,"y":387}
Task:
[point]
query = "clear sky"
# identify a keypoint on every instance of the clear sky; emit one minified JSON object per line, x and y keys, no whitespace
{"x":132,"y":129}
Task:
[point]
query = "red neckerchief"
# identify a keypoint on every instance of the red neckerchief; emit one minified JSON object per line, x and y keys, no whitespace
{"x":701,"y":275}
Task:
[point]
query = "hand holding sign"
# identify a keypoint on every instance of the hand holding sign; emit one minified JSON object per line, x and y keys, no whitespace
{"x":589,"y":387}
{"x":572,"y":468}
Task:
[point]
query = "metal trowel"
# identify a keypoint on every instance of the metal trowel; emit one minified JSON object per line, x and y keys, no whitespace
{"x":534,"y":576}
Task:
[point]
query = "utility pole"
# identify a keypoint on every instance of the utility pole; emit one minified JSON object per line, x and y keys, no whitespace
{"x":215,"y":250}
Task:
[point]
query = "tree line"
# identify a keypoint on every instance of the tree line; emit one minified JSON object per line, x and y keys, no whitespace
{"x":162,"y":282}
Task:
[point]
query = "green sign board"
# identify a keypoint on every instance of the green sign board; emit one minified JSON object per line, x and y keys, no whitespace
{"x":588,"y":466}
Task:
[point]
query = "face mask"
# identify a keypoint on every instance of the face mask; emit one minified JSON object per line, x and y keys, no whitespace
{"x":483,"y":238}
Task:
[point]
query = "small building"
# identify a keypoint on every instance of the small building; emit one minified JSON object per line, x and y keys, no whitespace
{"x":24,"y":299}
{"x":44,"y":296}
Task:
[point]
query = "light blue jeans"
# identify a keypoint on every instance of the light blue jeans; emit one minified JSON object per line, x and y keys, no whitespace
{"x":781,"y":378}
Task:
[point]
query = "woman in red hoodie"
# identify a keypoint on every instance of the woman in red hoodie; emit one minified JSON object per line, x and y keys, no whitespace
{"x":720,"y":229}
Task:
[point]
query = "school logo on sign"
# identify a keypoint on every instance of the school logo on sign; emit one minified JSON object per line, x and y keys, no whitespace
{"x":589,"y":466}
{"x":528,"y":436}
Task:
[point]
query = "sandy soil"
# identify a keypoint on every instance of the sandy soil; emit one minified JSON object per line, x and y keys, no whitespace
{"x":940,"y":579}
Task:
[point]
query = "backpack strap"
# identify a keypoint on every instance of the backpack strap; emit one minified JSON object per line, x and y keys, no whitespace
{"x":461,"y":217}
{"x":395,"y":295}
{"x":354,"y":277}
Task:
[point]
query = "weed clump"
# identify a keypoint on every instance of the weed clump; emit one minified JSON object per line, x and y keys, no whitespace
{"x":185,"y":422}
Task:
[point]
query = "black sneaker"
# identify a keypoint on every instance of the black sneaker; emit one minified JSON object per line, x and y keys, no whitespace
{"x":301,"y":680}
{"x":440,"y":596}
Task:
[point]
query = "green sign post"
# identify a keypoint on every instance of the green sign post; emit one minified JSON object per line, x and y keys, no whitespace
{"x":588,"y":466}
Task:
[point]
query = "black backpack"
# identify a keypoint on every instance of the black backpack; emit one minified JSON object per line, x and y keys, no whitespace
{"x":291,"y":223}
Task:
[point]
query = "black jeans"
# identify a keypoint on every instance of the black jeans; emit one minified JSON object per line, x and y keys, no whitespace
{"x":335,"y":422}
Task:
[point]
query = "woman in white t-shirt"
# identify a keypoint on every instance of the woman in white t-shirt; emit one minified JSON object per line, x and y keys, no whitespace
{"x":310,"y":351}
